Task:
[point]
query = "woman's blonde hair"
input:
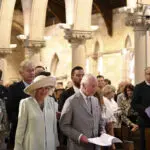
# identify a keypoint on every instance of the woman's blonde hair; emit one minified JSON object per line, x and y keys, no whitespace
{"x":108,"y":89}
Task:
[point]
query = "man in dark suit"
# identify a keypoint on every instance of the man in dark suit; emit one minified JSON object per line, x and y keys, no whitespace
{"x":15,"y":94}
{"x":76,"y":75}
{"x":141,"y":100}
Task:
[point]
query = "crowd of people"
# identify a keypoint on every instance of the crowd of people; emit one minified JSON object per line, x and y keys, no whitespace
{"x":38,"y":114}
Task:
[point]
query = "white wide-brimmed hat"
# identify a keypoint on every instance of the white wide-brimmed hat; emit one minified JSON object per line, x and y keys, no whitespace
{"x":38,"y":82}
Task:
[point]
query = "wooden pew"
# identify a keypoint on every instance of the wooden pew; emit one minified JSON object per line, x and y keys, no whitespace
{"x":147,"y":138}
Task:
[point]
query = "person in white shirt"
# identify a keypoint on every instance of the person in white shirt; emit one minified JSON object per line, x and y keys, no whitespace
{"x":111,"y":108}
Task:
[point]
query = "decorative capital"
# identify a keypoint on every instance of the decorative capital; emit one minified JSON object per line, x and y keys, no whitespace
{"x":74,"y":35}
{"x":35,"y":44}
{"x":5,"y":51}
{"x":139,"y":18}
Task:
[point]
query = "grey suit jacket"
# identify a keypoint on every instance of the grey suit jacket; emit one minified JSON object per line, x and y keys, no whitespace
{"x":76,"y":120}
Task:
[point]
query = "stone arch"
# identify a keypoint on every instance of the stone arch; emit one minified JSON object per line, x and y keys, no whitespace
{"x":54,"y":64}
{"x":34,"y":19}
{"x":128,"y":42}
{"x":79,"y":14}
{"x":97,"y":47}
{"x":94,"y":56}
{"x":6,"y":15}
{"x":38,"y":17}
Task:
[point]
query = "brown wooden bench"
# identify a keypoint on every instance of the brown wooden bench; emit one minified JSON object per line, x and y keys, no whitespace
{"x":147,"y":138}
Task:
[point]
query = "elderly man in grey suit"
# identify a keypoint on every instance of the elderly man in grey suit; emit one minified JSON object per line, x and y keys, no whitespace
{"x":81,"y":116}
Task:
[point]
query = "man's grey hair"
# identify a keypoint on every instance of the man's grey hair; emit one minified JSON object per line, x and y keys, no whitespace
{"x":25,"y":63}
{"x":86,"y":78}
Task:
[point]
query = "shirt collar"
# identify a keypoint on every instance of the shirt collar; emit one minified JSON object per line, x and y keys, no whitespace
{"x":84,"y":96}
{"x":147,"y":83}
{"x":25,"y":83}
{"x":76,"y":89}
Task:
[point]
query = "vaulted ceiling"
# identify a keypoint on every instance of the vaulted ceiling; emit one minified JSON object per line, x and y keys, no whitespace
{"x":56,"y":11}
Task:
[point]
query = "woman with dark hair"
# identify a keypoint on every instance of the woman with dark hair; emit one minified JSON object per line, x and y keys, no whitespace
{"x":128,"y":115}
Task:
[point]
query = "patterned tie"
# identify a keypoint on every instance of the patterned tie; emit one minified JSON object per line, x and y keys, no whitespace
{"x":89,"y":104}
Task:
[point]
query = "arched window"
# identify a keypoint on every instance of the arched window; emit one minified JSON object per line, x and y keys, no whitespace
{"x":54,"y":64}
{"x":128,"y":43}
{"x":95,"y":58}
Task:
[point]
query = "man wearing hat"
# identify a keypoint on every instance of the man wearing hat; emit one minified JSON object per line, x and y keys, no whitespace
{"x":37,"y":123}
{"x":15,"y":94}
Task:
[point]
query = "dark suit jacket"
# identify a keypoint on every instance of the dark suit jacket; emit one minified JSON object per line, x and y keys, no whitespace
{"x":66,"y":94}
{"x":15,"y":94}
{"x":69,"y":92}
{"x":140,"y":101}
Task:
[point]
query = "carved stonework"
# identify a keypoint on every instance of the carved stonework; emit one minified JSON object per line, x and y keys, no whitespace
{"x":33,"y":47}
{"x":134,"y":19}
{"x":137,"y":18}
{"x":74,"y":35}
{"x":36,"y":44}
{"x":5,"y":51}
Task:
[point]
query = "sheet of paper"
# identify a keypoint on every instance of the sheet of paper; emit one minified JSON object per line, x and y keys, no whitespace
{"x":104,"y":140}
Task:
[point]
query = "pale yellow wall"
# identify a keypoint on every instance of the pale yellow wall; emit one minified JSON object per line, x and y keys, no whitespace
{"x":112,"y":65}
{"x":57,"y":44}
{"x":120,"y":32}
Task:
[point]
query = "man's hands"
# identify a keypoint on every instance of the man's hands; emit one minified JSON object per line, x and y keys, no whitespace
{"x":134,"y":127}
{"x":83,"y":139}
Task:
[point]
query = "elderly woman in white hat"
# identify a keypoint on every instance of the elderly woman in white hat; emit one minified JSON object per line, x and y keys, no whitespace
{"x":37,"y":124}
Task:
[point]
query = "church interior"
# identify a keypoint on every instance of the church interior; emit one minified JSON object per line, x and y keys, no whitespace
{"x":108,"y":39}
{"x":105,"y":37}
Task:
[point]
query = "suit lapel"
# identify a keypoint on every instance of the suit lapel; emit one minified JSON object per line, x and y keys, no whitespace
{"x":22,"y":86}
{"x":95,"y":108}
{"x":83,"y":103}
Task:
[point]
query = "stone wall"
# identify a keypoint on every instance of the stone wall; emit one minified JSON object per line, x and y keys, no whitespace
{"x":56,"y":56}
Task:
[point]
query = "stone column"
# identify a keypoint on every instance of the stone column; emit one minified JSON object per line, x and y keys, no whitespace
{"x":33,"y":50}
{"x":3,"y":63}
{"x":78,"y":53}
{"x":78,"y":28}
{"x":140,"y":52}
{"x":142,"y":48}
{"x":77,"y":39}
{"x":34,"y":25}
{"x":6,"y":15}
{"x":148,"y":47}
